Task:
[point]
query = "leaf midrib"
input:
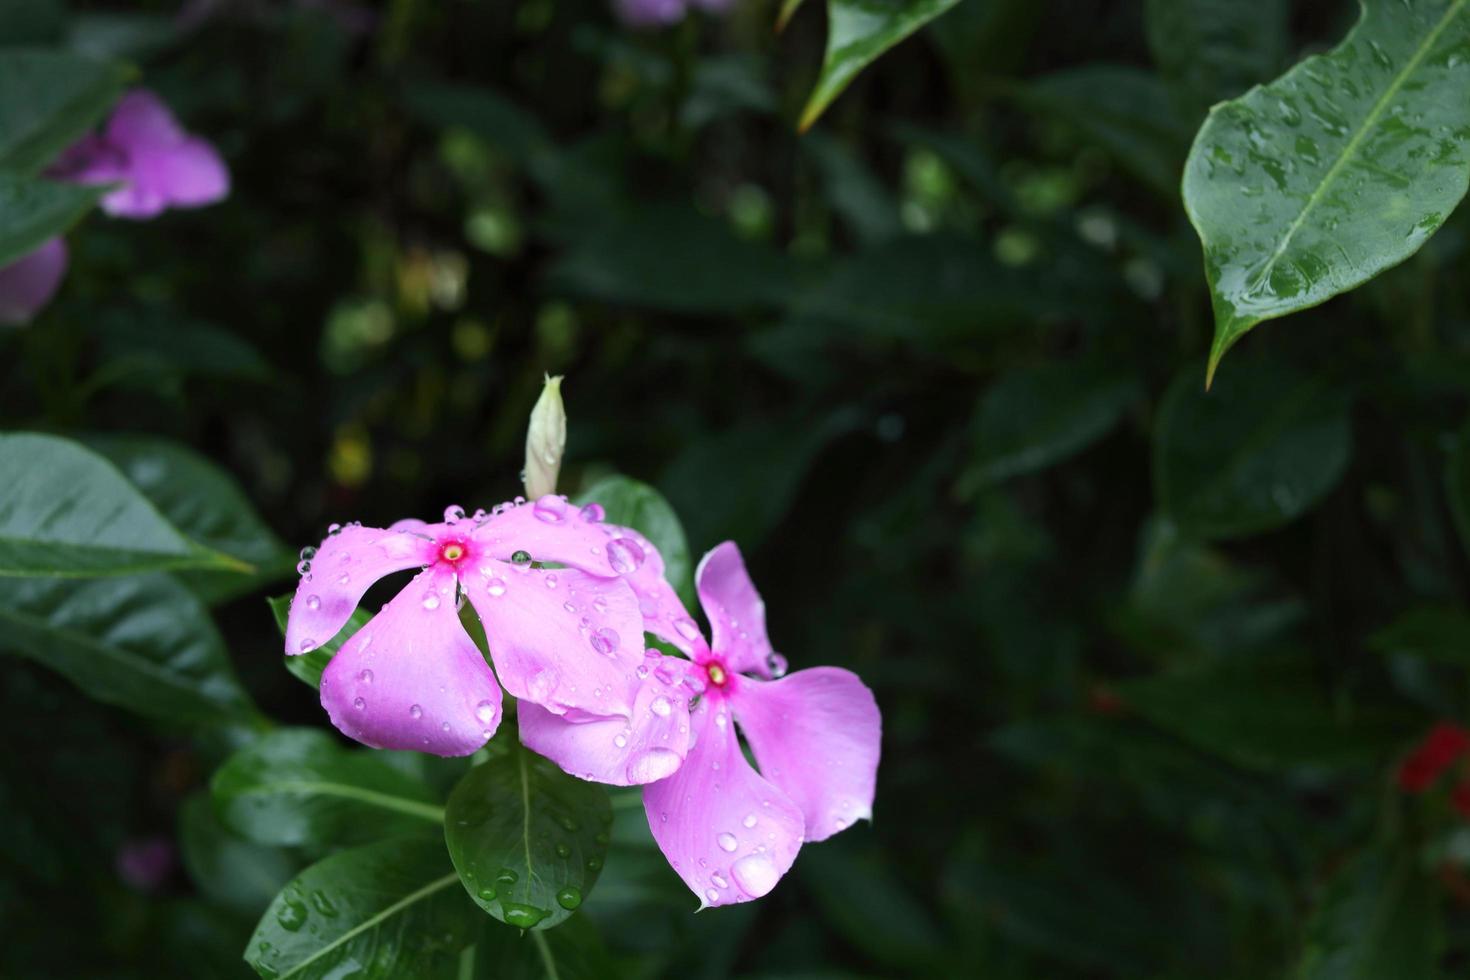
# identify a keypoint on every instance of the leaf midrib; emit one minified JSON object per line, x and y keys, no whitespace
{"x":1357,"y":138}
{"x":424,"y":811}
{"x":438,"y":884}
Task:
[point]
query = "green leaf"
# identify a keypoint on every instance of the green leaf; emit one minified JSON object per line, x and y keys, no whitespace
{"x":298,"y":786}
{"x":144,"y":643}
{"x":1252,"y":455}
{"x":204,"y":502}
{"x":47,"y":100}
{"x":383,"y":912}
{"x":33,"y":210}
{"x":528,"y":840}
{"x":229,"y":870}
{"x":1313,"y":184}
{"x":25,"y":22}
{"x":1211,"y":50}
{"x":1036,"y":416}
{"x":787,"y":11}
{"x":1379,"y":918}
{"x":1126,"y":111}
{"x":1268,"y":711}
{"x":632,"y":503}
{"x":1433,"y":633}
{"x":858,"y":31}
{"x":308,"y":667}
{"x":68,"y":511}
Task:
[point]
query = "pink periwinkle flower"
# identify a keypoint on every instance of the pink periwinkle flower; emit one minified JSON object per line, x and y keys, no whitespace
{"x":143,"y":148}
{"x":569,"y":639}
{"x":28,"y":283}
{"x":729,"y":831}
{"x":662,"y":13}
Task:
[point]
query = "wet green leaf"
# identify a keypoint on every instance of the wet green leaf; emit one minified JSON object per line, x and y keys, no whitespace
{"x":141,"y":642}
{"x":68,"y":511}
{"x":1253,"y":454}
{"x":299,"y":786}
{"x":858,"y":31}
{"x":529,"y":840}
{"x":232,"y":871}
{"x":33,"y":210}
{"x":382,"y":912}
{"x":1344,"y":166}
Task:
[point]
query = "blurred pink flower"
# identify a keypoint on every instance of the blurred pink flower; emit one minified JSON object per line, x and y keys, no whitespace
{"x":145,"y":864}
{"x":28,"y":283}
{"x":729,"y":831}
{"x":661,"y":13}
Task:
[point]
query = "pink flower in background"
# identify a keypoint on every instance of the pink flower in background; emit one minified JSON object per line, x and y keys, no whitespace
{"x":661,"y":13}
{"x":28,"y":283}
{"x":145,"y":864}
{"x":568,"y":639}
{"x":143,"y":148}
{"x":729,"y":831}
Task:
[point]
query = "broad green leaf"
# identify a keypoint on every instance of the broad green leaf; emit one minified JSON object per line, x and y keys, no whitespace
{"x":134,"y":34}
{"x":388,"y":911}
{"x":204,"y":502}
{"x":1434,"y":633}
{"x":858,"y":31}
{"x":572,"y":951}
{"x":787,"y":11}
{"x":308,"y":667}
{"x":68,"y":511}
{"x":1126,"y":111}
{"x":24,"y":22}
{"x":33,"y":210}
{"x":1211,"y":50}
{"x":528,"y":840}
{"x":1379,"y":918}
{"x":632,"y":503}
{"x":1253,"y":454}
{"x":1313,"y":184}
{"x":1036,"y":416}
{"x":1268,"y":711}
{"x":47,"y":100}
{"x":229,"y":870}
{"x":143,"y":642}
{"x":298,"y":786}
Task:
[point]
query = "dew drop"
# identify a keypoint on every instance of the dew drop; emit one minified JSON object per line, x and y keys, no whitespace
{"x":777,"y":665}
{"x":569,"y":898}
{"x":496,"y":586}
{"x":343,"y":579}
{"x":551,"y":581}
{"x":749,"y":821}
{"x":687,"y":629}
{"x":712,"y":895}
{"x":415,"y":712}
{"x":727,"y":842}
{"x":620,"y":740}
{"x":453,"y":514}
{"x":756,"y":874}
{"x":366,"y":676}
{"x":624,"y":556}
{"x":307,"y":645}
{"x":359,"y":703}
{"x":292,"y":915}
{"x":605,"y":641}
{"x":719,"y":880}
{"x":550,"y":508}
{"x":661,"y":706}
{"x":521,"y":557}
{"x":431,"y":601}
{"x":485,"y":711}
{"x":593,"y":513}
{"x":313,"y":602}
{"x":563,"y":851}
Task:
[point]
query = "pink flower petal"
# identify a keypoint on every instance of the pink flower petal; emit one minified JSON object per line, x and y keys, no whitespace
{"x":189,"y":174}
{"x":412,"y":678}
{"x":622,"y":750}
{"x":343,"y":568}
{"x":564,"y":639}
{"x":736,"y":612}
{"x":555,"y":530}
{"x":28,"y":283}
{"x":141,"y":120}
{"x":728,"y":833}
{"x":816,"y":735}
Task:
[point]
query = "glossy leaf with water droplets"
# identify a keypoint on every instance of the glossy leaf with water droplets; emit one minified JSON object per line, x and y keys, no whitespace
{"x":858,"y":31}
{"x":299,"y":787}
{"x":1313,"y":184}
{"x":529,"y":841}
{"x":386,"y":911}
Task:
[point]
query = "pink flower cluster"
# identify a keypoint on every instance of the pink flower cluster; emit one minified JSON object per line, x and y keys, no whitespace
{"x":155,"y":166}
{"x":565,"y":599}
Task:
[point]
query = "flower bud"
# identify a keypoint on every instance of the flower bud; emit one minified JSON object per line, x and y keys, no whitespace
{"x":546,"y":440}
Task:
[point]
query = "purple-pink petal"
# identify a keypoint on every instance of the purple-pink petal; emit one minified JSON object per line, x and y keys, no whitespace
{"x":411,"y":678}
{"x":566,"y":640}
{"x":643,"y":746}
{"x":736,"y":612}
{"x":650,"y":13}
{"x":342,"y":570}
{"x":29,"y":283}
{"x":729,"y":833}
{"x":816,"y":734}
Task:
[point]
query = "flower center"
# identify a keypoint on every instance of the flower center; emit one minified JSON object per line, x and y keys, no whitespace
{"x":717,"y":675}
{"x":452,"y":552}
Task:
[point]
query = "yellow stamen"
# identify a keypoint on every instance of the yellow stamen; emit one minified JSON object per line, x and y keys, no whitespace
{"x":716,"y":675}
{"x":453,"y":552}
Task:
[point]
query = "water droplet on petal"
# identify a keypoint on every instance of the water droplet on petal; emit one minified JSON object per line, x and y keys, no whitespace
{"x":749,"y":821}
{"x":415,"y":712}
{"x":652,"y":766}
{"x":719,"y":880}
{"x":485,"y":711}
{"x":521,"y":557}
{"x":624,"y":555}
{"x":313,"y":602}
{"x":550,"y":508}
{"x":712,"y":895}
{"x":343,"y":579}
{"x":727,"y":842}
{"x":593,"y":513}
{"x":777,"y":665}
{"x":756,"y":874}
{"x":307,"y":645}
{"x":620,"y":740}
{"x":551,"y":581}
{"x":687,"y":629}
{"x":359,"y":703}
{"x":431,"y":601}
{"x":661,"y":706}
{"x":496,"y":586}
{"x":605,"y":641}
{"x":453,"y":514}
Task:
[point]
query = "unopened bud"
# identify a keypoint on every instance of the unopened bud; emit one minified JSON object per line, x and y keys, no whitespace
{"x":546,"y":440}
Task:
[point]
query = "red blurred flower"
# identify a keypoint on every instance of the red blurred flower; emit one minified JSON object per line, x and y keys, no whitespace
{"x":1444,"y":744}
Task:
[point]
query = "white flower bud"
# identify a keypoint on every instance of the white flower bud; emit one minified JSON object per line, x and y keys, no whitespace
{"x":546,"y":440}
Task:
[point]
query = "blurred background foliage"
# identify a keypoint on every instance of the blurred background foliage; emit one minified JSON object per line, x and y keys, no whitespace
{"x":1147,"y":657}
